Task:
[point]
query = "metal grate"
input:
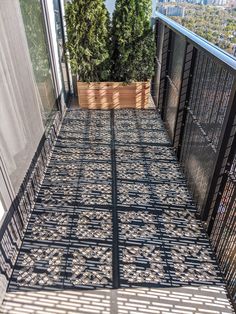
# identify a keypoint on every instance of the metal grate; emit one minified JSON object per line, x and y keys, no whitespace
{"x":113,"y":211}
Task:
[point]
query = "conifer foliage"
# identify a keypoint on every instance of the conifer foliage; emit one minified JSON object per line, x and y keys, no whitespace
{"x":132,"y":41}
{"x":99,"y":52}
{"x":88,"y":32}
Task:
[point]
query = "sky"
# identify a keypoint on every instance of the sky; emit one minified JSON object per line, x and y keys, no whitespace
{"x":111,"y":4}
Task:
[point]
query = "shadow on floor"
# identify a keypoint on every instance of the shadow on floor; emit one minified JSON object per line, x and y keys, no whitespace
{"x":114,"y":211}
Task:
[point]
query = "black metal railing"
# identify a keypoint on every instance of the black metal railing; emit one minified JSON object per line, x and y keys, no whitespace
{"x":195,"y":91}
{"x":14,"y":224}
{"x":223,"y":234}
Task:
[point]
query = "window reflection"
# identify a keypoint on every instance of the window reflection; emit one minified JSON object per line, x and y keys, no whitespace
{"x":35,"y":32}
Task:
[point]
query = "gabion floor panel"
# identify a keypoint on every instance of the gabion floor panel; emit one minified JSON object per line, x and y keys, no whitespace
{"x":114,"y":211}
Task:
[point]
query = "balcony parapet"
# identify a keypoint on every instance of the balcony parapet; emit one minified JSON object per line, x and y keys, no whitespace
{"x":194,"y":89}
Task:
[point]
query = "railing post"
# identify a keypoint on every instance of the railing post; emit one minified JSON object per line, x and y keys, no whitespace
{"x":185,"y":89}
{"x":164,"y":71}
{"x":155,"y":79}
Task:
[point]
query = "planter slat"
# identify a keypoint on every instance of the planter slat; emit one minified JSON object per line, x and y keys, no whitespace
{"x":113,"y":95}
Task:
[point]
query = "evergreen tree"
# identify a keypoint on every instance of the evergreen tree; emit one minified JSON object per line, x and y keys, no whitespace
{"x":88,"y":32}
{"x":132,"y":41}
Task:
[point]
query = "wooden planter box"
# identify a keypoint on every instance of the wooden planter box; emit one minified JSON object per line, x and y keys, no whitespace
{"x":113,"y":95}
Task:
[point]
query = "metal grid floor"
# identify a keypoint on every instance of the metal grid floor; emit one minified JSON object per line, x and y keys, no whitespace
{"x":113,"y":212}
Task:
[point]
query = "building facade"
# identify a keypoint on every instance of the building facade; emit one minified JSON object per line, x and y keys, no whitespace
{"x":172,"y":10}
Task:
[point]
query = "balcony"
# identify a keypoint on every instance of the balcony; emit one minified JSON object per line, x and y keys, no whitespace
{"x":133,"y":211}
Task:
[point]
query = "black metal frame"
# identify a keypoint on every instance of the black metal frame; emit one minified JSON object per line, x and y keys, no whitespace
{"x":67,"y":99}
{"x":64,"y":43}
{"x":52,"y":54}
{"x":115,"y":251}
{"x":186,"y":83}
{"x":164,"y":70}
{"x":195,"y":96}
{"x":48,"y":34}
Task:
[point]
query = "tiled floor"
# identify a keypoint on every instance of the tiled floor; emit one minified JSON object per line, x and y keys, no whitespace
{"x":114,"y":212}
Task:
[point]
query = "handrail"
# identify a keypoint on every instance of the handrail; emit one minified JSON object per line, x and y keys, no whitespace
{"x":195,"y":39}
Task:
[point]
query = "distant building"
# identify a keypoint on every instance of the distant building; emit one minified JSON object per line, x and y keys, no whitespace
{"x":226,"y":3}
{"x":217,"y":2}
{"x":171,"y":10}
{"x":197,"y":1}
{"x":231,"y":4}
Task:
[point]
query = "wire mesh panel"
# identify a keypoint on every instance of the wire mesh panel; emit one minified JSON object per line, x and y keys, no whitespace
{"x":159,"y":46}
{"x":164,"y":59}
{"x":197,"y":101}
{"x":206,"y":112}
{"x":174,"y":77}
{"x":195,"y":95}
{"x":223,"y":236}
{"x":183,"y":96}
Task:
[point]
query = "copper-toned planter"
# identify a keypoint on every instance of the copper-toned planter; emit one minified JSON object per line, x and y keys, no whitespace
{"x":113,"y":95}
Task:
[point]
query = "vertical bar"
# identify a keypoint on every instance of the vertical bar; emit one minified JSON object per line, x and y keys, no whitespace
{"x":51,"y":54}
{"x":64,"y":44}
{"x":164,"y":71}
{"x":185,"y":90}
{"x":157,"y":65}
{"x":115,"y":249}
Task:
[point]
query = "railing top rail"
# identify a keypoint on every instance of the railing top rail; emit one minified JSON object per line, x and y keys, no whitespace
{"x":200,"y":42}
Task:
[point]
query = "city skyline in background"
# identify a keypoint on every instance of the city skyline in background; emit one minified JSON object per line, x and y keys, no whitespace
{"x":229,"y":3}
{"x":218,"y":15}
{"x":214,"y":20}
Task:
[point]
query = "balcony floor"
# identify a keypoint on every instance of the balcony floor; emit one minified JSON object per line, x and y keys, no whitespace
{"x":114,"y":212}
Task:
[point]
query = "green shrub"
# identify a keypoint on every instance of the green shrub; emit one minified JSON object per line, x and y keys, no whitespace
{"x":124,"y":53}
{"x":132,"y":41}
{"x":88,"y":32}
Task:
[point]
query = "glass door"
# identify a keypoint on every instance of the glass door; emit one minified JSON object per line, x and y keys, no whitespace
{"x":33,"y":19}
